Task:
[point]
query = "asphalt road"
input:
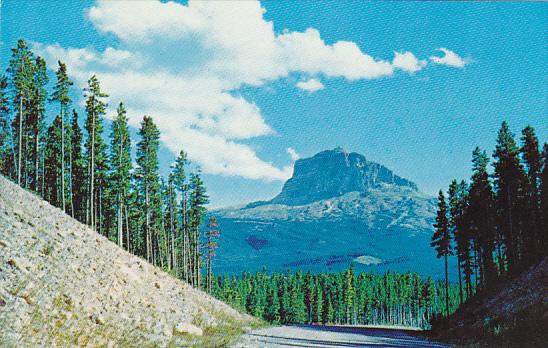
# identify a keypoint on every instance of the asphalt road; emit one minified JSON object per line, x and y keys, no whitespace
{"x":311,"y":336}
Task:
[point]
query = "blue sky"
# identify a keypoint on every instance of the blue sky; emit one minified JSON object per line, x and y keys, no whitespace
{"x":245,"y":88}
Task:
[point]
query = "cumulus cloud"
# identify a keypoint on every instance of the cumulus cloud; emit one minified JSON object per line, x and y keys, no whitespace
{"x":408,"y":62}
{"x":311,"y":85}
{"x":449,"y":58}
{"x":184,"y":64}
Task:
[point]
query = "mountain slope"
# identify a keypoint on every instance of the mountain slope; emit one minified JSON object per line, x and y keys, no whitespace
{"x":61,"y":284}
{"x":337,"y":208}
{"x":515,"y":314}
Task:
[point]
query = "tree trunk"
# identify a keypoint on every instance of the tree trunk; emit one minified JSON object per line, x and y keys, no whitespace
{"x":460,"y":282}
{"x":71,"y":186}
{"x":446,"y":288}
{"x":63,"y":159}
{"x":147,"y":224}
{"x":92,"y":168}
{"x":20,"y":140}
{"x":36,"y":158}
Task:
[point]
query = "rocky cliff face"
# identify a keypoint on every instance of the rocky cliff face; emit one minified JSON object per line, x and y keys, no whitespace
{"x":63,"y":285}
{"x":337,"y":208}
{"x":333,"y":173}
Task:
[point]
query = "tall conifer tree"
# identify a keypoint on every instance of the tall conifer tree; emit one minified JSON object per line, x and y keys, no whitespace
{"x":181,"y":185}
{"x":509,"y":179}
{"x":96,"y":157}
{"x":61,"y":95}
{"x":120,"y":164}
{"x":77,"y":169}
{"x":149,"y":183}
{"x":6,"y":148}
{"x":21,"y":70}
{"x":198,"y":200}
{"x":441,"y":241}
{"x":481,"y":214}
{"x":532,"y":159}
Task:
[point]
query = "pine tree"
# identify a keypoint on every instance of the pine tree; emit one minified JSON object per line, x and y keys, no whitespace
{"x":543,"y":244}
{"x":76,"y":169}
{"x":171,"y":222}
{"x":120,"y":164}
{"x":480,"y":214}
{"x":272,"y":309}
{"x":61,"y":95}
{"x":96,"y":158}
{"x":441,"y":241}
{"x":149,"y":183}
{"x":455,"y":225}
{"x":52,"y":167}
{"x":532,"y":159}
{"x":509,"y":183}
{"x":36,"y":120}
{"x":348,"y":294}
{"x":179,"y":181}
{"x":6,"y":148}
{"x":21,"y":69}
{"x":198,"y":200}
{"x":212,"y":235}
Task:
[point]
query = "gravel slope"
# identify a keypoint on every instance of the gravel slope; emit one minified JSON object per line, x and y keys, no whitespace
{"x":62,"y":284}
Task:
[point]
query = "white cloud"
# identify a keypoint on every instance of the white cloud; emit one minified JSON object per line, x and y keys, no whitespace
{"x":184,"y":64}
{"x":311,"y":85}
{"x":449,"y":58}
{"x":294,"y":155}
{"x":408,"y":62}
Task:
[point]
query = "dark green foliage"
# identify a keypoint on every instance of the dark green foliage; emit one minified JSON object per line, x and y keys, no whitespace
{"x":480,"y":216}
{"x":197,"y":211}
{"x":6,"y":146}
{"x":509,"y":180}
{"x":532,"y":220}
{"x":21,"y":71}
{"x":148,"y":181}
{"x":441,"y":240}
{"x":543,"y":235}
{"x":61,"y":95}
{"x":120,"y":176}
{"x":95,"y":155}
{"x":52,"y":163}
{"x":499,"y":221}
{"x":337,"y":298}
{"x":77,"y":169}
{"x":97,"y":184}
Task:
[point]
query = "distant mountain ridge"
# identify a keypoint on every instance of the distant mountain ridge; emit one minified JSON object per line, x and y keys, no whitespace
{"x":332,"y":173}
{"x":337,"y":208}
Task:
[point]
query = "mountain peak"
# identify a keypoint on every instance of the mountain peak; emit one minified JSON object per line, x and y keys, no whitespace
{"x":332,"y":173}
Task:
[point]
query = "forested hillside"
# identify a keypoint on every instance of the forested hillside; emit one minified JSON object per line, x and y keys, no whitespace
{"x":337,"y":298}
{"x":497,"y":227}
{"x":89,"y":172}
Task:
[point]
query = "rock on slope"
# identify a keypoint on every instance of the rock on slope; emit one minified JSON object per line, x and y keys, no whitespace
{"x":62,"y":284}
{"x":513,"y":315}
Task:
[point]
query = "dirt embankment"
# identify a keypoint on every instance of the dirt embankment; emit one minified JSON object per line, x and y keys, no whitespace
{"x":514,"y":315}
